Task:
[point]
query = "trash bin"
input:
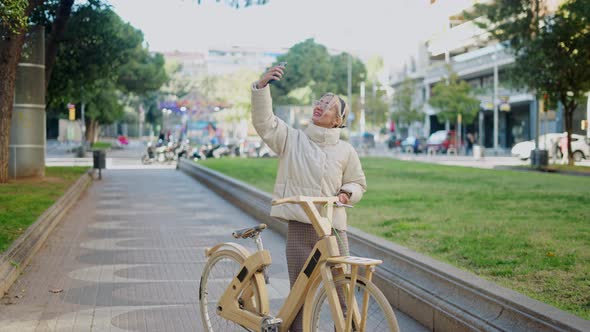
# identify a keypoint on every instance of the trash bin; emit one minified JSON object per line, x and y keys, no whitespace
{"x":99,"y":161}
{"x":478,"y":152}
{"x":539,"y":158}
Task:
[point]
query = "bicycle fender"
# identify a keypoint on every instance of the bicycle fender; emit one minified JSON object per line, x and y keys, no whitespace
{"x":232,"y":246}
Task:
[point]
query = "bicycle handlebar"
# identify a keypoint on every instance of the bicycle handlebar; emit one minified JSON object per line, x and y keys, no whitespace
{"x":305,"y":199}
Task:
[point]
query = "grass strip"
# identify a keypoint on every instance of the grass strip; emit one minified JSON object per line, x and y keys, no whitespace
{"x":526,"y":231}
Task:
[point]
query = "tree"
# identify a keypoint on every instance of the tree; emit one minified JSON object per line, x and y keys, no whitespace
{"x":453,"y":99}
{"x":405,"y":110}
{"x":102,"y":57}
{"x":311,"y":67}
{"x":13,"y":26}
{"x":550,"y":46}
{"x":14,"y":16}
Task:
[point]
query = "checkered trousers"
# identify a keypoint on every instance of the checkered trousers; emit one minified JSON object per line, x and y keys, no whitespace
{"x":301,"y":238}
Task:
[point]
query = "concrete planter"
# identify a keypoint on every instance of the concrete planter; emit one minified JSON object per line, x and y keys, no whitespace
{"x":18,"y":255}
{"x":440,"y":296}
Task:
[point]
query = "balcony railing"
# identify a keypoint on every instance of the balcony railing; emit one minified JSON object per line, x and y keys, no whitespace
{"x":468,"y":65}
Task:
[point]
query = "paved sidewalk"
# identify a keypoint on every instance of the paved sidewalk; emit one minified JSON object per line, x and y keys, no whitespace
{"x":129,"y":257}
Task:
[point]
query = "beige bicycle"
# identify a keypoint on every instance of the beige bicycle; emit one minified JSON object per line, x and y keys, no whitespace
{"x":336,"y":292}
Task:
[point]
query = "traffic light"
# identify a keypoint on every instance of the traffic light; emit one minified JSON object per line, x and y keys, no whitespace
{"x":584,"y":124}
{"x":72,"y":109}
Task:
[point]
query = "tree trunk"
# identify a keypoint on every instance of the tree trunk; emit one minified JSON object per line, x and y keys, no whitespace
{"x":89,"y":131}
{"x":96,"y":131}
{"x":57,"y":30}
{"x":10,"y":50}
{"x":11,"y":45}
{"x":92,"y":129}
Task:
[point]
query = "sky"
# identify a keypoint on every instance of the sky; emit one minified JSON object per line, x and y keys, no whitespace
{"x":389,"y":28}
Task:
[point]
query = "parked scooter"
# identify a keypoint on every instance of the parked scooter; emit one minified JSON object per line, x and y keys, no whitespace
{"x":161,"y":153}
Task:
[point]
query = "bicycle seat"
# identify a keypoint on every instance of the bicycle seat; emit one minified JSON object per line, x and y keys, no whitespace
{"x":249,"y":232}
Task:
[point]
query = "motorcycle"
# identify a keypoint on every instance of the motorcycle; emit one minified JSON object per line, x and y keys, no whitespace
{"x":160,"y":153}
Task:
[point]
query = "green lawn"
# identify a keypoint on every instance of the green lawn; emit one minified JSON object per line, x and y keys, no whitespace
{"x":101,"y":145}
{"x":581,"y":169}
{"x":526,"y":231}
{"x":23,"y":201}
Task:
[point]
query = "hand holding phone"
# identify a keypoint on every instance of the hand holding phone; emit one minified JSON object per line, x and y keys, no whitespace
{"x":281,"y":64}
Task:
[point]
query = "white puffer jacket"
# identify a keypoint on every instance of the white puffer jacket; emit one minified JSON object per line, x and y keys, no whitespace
{"x":312,"y":162}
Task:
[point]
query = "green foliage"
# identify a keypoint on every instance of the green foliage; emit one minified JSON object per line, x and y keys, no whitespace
{"x":142,"y":73}
{"x":552,"y":53}
{"x":101,"y":59}
{"x":95,"y":45}
{"x":104,"y":106}
{"x":12,"y":15}
{"x":405,"y":110}
{"x":376,"y":105}
{"x":232,"y":89}
{"x":101,"y":145}
{"x":310,"y":65}
{"x":453,"y":97}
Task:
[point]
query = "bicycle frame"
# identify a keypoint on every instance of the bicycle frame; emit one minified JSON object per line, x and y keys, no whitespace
{"x":317,"y":268}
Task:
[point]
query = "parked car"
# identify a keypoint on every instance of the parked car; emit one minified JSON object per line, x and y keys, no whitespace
{"x":412,"y":142}
{"x":580,"y":146}
{"x":441,"y":140}
{"x":366,"y":139}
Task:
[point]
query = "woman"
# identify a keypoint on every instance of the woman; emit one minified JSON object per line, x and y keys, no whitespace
{"x":312,"y":162}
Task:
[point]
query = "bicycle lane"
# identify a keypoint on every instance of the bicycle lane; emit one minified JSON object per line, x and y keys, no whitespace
{"x":129,"y":257}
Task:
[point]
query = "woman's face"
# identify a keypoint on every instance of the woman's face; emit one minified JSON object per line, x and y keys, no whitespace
{"x":324,"y":112}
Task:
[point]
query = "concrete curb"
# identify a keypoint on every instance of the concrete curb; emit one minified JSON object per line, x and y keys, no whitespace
{"x":18,"y":255}
{"x":439,"y":296}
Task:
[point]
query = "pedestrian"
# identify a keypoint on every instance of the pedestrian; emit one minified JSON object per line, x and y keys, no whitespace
{"x":312,"y":162}
{"x":416,"y":145}
{"x":470,"y":142}
{"x":564,"y":151}
{"x":161,"y":137}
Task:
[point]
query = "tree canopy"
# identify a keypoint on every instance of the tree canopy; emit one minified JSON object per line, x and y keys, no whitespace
{"x":452,"y":97}
{"x":312,"y":68}
{"x":405,"y":109}
{"x":101,"y":59}
{"x":13,"y":15}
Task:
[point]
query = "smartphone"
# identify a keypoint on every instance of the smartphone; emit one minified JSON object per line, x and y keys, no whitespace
{"x":284,"y":64}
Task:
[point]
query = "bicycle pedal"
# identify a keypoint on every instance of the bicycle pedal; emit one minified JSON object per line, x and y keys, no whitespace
{"x":271,"y":324}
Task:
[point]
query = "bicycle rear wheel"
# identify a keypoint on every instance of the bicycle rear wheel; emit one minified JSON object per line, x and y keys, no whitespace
{"x":217,"y":275}
{"x":379,"y":315}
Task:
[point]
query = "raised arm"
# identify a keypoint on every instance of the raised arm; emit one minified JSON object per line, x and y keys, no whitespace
{"x":272,"y":130}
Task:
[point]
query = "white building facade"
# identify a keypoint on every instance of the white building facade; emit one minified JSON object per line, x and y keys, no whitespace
{"x":460,"y":44}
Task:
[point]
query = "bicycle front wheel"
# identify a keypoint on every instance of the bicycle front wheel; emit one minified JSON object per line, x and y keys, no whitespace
{"x":217,"y":275}
{"x":374,"y":309}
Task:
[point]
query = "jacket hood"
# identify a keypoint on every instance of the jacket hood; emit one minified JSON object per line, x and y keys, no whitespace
{"x":322,"y":135}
